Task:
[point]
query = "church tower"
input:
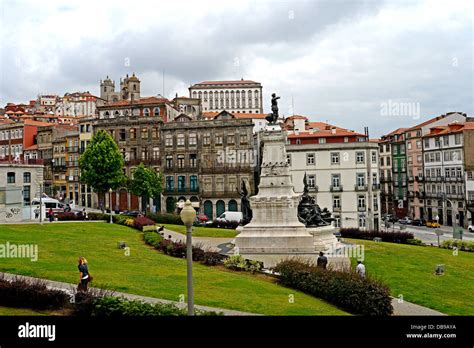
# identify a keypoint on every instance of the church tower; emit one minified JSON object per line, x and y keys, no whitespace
{"x":107,"y":88}
{"x":130,"y":86}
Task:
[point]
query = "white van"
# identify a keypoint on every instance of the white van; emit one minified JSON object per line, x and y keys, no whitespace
{"x":227,"y":216}
{"x":47,"y":204}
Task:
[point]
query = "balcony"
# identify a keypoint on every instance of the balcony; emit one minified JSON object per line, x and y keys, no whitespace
{"x":314,"y":188}
{"x":181,"y":191}
{"x":219,"y":194}
{"x":336,"y":209}
{"x":22,"y":161}
{"x":59,"y":167}
{"x":411,"y":179}
{"x":335,"y":188}
{"x":360,"y":187}
{"x":72,"y":178}
{"x":226,"y":169}
{"x":72,"y":149}
{"x":184,"y":169}
{"x":420,"y":194}
{"x":457,"y":196}
{"x":361,"y":208}
{"x":73,"y":163}
{"x":135,"y":161}
{"x":419,"y":178}
{"x":375,"y":187}
{"x":454,"y":178}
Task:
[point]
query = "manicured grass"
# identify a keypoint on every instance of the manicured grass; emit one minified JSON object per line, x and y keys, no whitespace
{"x":146,"y":271}
{"x":199,"y":231}
{"x":409,"y":271}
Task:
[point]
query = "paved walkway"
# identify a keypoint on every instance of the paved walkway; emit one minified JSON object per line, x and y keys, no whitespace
{"x":408,"y":308}
{"x":70,"y":288}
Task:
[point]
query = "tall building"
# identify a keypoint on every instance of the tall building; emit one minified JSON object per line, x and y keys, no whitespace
{"x":129,"y":89}
{"x":341,"y":168}
{"x":237,"y":96}
{"x":444,"y":172}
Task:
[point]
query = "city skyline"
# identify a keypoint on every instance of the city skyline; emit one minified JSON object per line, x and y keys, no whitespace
{"x":342,"y":65}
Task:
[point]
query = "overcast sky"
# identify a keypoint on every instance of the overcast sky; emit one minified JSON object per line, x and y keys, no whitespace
{"x":353,"y":63}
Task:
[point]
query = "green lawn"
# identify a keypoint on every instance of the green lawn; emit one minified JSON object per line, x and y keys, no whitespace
{"x":409,"y":271}
{"x":199,"y":231}
{"x":146,"y":271}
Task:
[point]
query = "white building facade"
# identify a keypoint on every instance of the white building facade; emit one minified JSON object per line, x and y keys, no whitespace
{"x":239,"y":96}
{"x":343,"y":177}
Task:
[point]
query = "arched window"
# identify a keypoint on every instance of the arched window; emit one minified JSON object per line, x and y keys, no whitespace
{"x":205,"y":96}
{"x":194,"y":94}
{"x":107,"y":114}
{"x":200,"y":95}
{"x":134,"y":87}
{"x":116,"y":113}
{"x":146,"y":112}
{"x":156,"y":111}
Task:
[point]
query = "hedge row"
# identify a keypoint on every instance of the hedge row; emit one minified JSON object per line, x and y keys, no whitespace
{"x":347,"y":290}
{"x":392,"y":237}
{"x":21,"y":293}
{"x":178,"y":249}
{"x":459,"y":244}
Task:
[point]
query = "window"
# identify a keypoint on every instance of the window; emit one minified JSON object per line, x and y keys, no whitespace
{"x":418,"y":144}
{"x":231,"y":139}
{"x":288,"y":159}
{"x":336,"y":180}
{"x":310,"y":159}
{"x":181,"y":183}
{"x":312,"y":181}
{"x":376,"y":203}
{"x":10,"y":178}
{"x":322,"y":140}
{"x":337,"y":221}
{"x":180,"y":161}
{"x":427,"y":143}
{"x":169,"y":161}
{"x":243,"y":138}
{"x":133,"y":134}
{"x":192,"y":139}
{"x":206,"y":139}
{"x":193,"y":160}
{"x":457,"y":139}
{"x":361,"y":202}
{"x":335,"y":158}
{"x":169,"y":140}
{"x":381,"y":161}
{"x":27,"y":177}
{"x":360,"y":157}
{"x":374,"y":157}
{"x":26,"y":195}
{"x":218,"y":139}
{"x":154,"y":133}
{"x":446,"y":140}
{"x":180,"y":140}
{"x":360,"y":179}
{"x":146,"y":112}
{"x":193,"y":183}
{"x":169,"y":183}
{"x":144,"y":134}
{"x":361,"y":221}
{"x":122,"y":135}
{"x":336,"y":202}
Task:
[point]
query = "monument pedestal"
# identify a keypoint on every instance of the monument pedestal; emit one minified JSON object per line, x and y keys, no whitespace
{"x":275,"y":232}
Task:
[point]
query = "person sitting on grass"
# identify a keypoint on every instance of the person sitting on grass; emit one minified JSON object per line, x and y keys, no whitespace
{"x":85,"y":277}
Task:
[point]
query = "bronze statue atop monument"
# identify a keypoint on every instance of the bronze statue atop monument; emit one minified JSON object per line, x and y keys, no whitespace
{"x":273,"y":117}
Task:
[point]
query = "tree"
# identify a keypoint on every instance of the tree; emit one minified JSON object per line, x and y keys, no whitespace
{"x":146,"y":182}
{"x":102,"y":164}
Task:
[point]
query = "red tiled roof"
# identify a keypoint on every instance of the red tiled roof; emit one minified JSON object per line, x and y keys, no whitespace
{"x":325,"y":133}
{"x":297,"y":117}
{"x":398,"y":131}
{"x":450,"y":128}
{"x":141,"y":101}
{"x":29,"y":122}
{"x":32,"y":147}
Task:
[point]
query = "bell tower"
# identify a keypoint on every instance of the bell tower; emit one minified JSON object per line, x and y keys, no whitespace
{"x":107,"y":88}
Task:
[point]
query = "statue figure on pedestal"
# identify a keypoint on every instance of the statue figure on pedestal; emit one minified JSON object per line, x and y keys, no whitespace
{"x":309,"y":212}
{"x":273,"y":117}
{"x":245,"y":204}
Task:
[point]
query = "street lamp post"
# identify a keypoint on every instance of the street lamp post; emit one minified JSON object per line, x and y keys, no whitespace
{"x":438,"y":232}
{"x":188,"y":216}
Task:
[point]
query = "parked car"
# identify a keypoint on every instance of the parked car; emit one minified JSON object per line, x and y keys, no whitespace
{"x":228,"y":216}
{"x":405,"y":221}
{"x":418,"y":222}
{"x":389,"y":218}
{"x":134,"y":213}
{"x":433,"y":224}
{"x":202,"y":218}
{"x":470,"y":228}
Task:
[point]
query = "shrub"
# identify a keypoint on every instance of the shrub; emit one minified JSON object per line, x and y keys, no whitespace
{"x":84,"y":300}
{"x":253,"y":266}
{"x":141,"y":221}
{"x":152,"y":238}
{"x":120,"y":219}
{"x":392,"y":237}
{"x":98,"y":216}
{"x":130,"y":222}
{"x":198,"y":253}
{"x":415,"y":241}
{"x":31,"y":294}
{"x":212,"y":258}
{"x":167,"y":218}
{"x":68,"y":216}
{"x":235,"y":262}
{"x":459,"y":244}
{"x":347,"y":290}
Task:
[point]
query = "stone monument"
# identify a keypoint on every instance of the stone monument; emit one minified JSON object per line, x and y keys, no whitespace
{"x":275,"y":231}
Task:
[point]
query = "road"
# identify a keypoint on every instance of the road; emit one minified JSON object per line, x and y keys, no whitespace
{"x":428,"y":235}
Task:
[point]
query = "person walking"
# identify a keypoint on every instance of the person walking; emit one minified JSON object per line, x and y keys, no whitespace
{"x":360,"y":269}
{"x":51,"y":215}
{"x":322,"y":261}
{"x":85,"y":277}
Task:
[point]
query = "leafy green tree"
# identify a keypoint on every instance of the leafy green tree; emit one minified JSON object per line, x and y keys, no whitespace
{"x":102,"y":164}
{"x":146,"y":182}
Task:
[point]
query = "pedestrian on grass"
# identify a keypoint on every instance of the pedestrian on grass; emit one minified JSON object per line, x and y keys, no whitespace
{"x":85,"y":277}
{"x":322,"y":261}
{"x":51,"y":215}
{"x":360,"y":269}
